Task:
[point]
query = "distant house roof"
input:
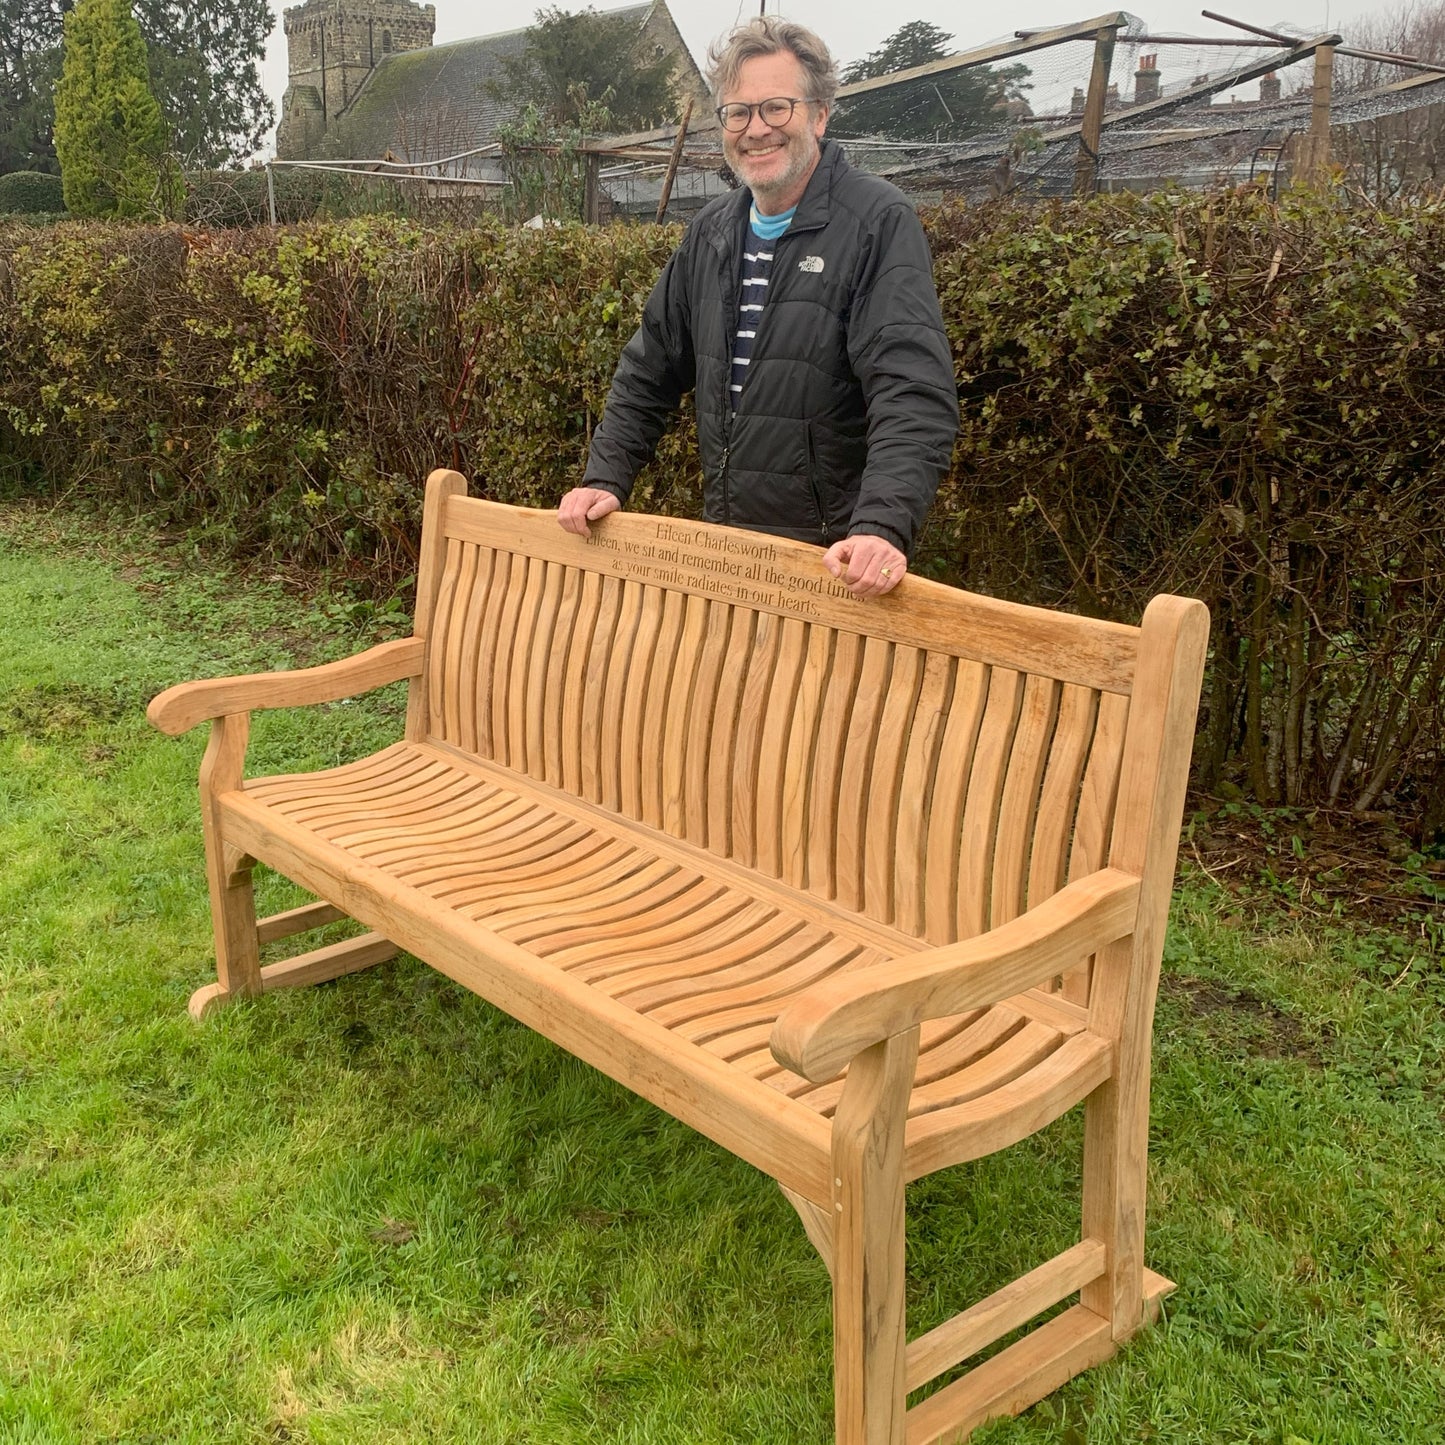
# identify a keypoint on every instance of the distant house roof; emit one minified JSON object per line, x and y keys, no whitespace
{"x":421,"y":105}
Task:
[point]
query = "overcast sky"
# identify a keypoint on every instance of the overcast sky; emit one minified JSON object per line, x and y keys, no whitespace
{"x":852,"y":28}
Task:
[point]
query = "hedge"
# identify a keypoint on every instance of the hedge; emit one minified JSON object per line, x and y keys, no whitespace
{"x":30,"y":193}
{"x":1223,"y":396}
{"x":32,"y":219}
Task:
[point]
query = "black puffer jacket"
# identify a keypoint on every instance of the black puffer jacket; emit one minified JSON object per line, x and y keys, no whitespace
{"x":847,"y":419}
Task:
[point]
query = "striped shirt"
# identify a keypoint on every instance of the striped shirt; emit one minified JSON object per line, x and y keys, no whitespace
{"x":757,"y":272}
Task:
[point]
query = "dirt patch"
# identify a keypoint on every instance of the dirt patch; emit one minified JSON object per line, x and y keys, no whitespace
{"x":394,"y":1232}
{"x":302,"y":647}
{"x":1252,"y":1024}
{"x":1361,"y":869}
{"x":598,"y":1219}
{"x":50,"y":710}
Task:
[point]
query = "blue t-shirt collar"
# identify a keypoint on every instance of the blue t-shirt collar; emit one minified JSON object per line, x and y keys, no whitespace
{"x":770,"y":227}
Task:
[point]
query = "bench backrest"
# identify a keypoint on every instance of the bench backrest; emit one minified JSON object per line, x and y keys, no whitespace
{"x":935,"y":760}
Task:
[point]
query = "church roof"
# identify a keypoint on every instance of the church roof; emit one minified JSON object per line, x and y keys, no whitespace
{"x":422,"y":105}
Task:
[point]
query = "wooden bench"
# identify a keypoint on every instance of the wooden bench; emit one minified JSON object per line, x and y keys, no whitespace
{"x":859,"y":890}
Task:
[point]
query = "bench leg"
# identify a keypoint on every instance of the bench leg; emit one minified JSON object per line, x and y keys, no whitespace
{"x":233,"y":923}
{"x":869,"y":1342}
{"x":238,"y":933}
{"x":228,"y":870}
{"x":875,"y":1367}
{"x":1116,"y":1142}
{"x":320,"y":965}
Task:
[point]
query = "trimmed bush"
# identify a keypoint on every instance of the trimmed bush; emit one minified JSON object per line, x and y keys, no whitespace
{"x":1218,"y":396}
{"x":30,"y":193}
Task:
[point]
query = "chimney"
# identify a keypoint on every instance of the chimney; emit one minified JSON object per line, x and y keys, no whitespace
{"x":1111,"y":100}
{"x":1146,"y":80}
{"x":1076,"y":105}
{"x":1269,"y":89}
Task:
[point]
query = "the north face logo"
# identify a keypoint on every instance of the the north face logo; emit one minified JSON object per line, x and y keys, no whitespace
{"x":813,"y":264}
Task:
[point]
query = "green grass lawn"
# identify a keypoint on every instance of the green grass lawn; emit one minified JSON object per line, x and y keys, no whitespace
{"x":379,"y":1210}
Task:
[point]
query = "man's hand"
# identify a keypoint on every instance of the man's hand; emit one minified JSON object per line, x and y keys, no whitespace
{"x":868,"y":566}
{"x":582,"y":505}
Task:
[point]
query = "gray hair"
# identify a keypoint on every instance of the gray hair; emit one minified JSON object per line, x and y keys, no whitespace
{"x":771,"y":35}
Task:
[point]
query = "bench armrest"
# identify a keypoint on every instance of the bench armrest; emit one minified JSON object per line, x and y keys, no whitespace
{"x":826,"y":1026}
{"x":180,"y":708}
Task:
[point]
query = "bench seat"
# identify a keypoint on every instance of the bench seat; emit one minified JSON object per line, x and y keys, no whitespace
{"x":660,"y":929}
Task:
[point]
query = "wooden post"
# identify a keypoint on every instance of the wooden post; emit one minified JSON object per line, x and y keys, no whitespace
{"x":592,"y":190}
{"x":1319,"y":145}
{"x":1091,"y":130}
{"x":672,"y":164}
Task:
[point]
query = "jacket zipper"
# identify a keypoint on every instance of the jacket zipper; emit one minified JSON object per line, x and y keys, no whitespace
{"x":815,"y":489}
{"x":729,"y":286}
{"x":730,"y":263}
{"x":778,"y":245}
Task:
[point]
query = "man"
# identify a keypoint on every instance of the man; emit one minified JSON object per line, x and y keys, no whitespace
{"x":802,"y":311}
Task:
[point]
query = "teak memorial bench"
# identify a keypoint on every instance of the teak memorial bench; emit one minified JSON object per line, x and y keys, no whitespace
{"x":859,"y":890}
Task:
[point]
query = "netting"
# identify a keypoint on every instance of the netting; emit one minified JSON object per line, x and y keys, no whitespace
{"x":1179,"y":110}
{"x":1202,"y":114}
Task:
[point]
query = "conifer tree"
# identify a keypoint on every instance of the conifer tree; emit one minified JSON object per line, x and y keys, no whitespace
{"x":29,"y":65}
{"x":205,"y":70}
{"x":948,"y":107}
{"x":110,"y":137}
{"x":577,"y":61}
{"x":204,"y":65}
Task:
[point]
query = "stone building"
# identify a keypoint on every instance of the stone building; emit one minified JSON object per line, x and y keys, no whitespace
{"x":332,"y":49}
{"x":366,"y":82}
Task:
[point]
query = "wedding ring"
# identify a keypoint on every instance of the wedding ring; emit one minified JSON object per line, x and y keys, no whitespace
{"x":884,"y":572}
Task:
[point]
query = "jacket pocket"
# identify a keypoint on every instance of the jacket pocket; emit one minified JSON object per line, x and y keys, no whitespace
{"x":815,"y":486}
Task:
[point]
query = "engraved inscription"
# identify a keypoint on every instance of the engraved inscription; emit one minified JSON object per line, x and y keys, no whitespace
{"x":738,"y":566}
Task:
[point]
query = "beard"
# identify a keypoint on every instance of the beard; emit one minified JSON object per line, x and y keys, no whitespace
{"x":798,"y":155}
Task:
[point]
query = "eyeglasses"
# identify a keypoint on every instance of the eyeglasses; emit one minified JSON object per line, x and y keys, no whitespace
{"x":777,"y":112}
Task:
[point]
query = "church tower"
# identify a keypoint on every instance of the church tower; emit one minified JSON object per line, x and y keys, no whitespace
{"x":331,"y":47}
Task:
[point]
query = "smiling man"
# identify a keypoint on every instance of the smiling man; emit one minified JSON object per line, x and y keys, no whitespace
{"x":802,"y":312}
